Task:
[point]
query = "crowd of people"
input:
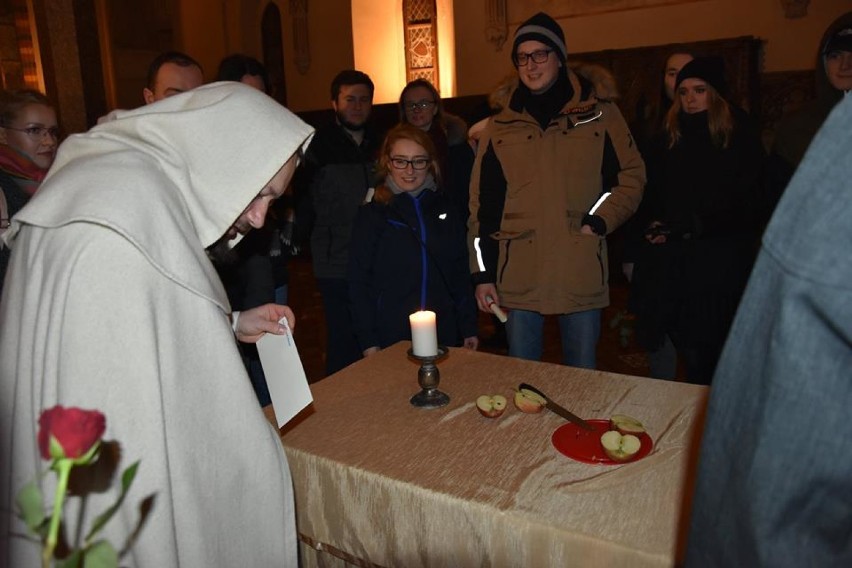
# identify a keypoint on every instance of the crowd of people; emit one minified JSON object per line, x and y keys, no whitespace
{"x":192,"y":241}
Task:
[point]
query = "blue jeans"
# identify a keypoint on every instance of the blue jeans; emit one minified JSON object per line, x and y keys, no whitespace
{"x":580,"y":332}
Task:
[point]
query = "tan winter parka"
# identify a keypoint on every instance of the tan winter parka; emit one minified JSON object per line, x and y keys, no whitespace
{"x":526,"y":213}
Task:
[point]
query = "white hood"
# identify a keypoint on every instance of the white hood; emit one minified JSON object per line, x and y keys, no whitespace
{"x":171,"y":177}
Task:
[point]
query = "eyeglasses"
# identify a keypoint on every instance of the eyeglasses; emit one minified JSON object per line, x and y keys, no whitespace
{"x":538,"y":56}
{"x":416,"y":163}
{"x":422,"y":105}
{"x":37,"y":132}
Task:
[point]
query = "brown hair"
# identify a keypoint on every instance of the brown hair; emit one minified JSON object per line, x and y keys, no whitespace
{"x":11,"y":103}
{"x":439,"y":116}
{"x":719,"y":119}
{"x":403,"y":131}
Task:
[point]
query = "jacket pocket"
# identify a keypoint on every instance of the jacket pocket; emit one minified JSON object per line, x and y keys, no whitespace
{"x":586,"y":271}
{"x":516,"y":265}
{"x":518,"y":156}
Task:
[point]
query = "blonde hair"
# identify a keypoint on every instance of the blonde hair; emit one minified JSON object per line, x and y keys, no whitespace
{"x":403,"y":131}
{"x":719,"y":119}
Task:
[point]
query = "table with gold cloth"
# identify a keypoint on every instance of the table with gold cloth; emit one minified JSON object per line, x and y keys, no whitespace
{"x":380,"y":482}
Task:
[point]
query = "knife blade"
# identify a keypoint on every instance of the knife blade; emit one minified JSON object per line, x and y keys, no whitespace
{"x":557,"y":409}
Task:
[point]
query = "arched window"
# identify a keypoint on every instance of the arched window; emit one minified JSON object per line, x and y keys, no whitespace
{"x":273,"y":52}
{"x":420,"y":27}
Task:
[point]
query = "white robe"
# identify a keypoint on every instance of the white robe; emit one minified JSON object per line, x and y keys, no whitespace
{"x":111,"y":303}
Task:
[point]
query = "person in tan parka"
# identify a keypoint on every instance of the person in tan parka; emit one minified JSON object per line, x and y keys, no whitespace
{"x":556,"y":170}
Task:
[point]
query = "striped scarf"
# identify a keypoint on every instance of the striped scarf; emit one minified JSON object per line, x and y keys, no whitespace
{"x":28,"y":175}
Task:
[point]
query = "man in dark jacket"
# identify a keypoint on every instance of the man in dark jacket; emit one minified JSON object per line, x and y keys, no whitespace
{"x":556,"y":170}
{"x":337,"y":177}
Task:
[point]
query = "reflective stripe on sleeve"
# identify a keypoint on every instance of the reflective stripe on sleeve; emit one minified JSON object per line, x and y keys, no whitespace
{"x":478,"y":254}
{"x":598,"y":202}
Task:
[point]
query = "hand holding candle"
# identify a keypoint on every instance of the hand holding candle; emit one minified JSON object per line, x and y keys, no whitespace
{"x":496,"y":310}
{"x":424,"y":336}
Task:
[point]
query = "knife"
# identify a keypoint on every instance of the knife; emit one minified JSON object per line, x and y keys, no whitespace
{"x":555,"y":408}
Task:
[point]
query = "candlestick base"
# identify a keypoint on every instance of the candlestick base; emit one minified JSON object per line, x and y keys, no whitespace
{"x":428,"y":378}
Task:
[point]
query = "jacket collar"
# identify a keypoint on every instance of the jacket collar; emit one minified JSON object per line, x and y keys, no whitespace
{"x":581,"y":108}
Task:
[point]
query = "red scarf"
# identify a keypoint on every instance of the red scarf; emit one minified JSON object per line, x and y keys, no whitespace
{"x":18,"y":165}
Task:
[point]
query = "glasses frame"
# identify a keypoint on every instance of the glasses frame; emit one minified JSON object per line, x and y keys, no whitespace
{"x":394,"y":162}
{"x":422,"y":105}
{"x":37,"y":132}
{"x":522,"y":59}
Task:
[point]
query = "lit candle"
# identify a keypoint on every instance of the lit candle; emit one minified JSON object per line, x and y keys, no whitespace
{"x":424,"y":337}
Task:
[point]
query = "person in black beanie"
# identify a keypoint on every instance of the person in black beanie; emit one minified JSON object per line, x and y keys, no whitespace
{"x":703,"y":207}
{"x":556,"y":170}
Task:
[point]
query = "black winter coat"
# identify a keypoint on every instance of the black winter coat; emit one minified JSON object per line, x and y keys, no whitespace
{"x":405,"y":256}
{"x":709,"y":198}
{"x":329,"y":189}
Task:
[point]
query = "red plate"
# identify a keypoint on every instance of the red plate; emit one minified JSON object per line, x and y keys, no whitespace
{"x":585,"y":446}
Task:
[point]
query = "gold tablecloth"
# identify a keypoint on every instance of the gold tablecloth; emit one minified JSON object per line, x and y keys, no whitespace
{"x":379,"y":480}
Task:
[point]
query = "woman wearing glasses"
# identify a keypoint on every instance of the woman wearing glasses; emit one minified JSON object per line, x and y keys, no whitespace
{"x":407,"y":251}
{"x":420,"y":106}
{"x":28,"y":140}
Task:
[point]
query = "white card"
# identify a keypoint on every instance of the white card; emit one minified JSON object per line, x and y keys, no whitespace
{"x":285,"y":376}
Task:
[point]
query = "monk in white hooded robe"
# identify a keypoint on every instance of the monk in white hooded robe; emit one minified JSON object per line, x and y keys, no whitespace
{"x":111,"y":303}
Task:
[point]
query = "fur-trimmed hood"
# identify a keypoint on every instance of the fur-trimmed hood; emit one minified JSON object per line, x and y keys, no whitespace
{"x":601,"y":79}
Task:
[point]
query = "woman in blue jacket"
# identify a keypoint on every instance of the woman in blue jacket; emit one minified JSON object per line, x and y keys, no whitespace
{"x":408,"y":252}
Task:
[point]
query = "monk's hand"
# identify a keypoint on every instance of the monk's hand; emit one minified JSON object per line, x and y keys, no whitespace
{"x":253,"y":323}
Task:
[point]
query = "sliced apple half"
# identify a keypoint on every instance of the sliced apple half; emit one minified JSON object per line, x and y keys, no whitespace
{"x":620,"y":448}
{"x":491,"y":406}
{"x":626,"y":424}
{"x":529,"y":401}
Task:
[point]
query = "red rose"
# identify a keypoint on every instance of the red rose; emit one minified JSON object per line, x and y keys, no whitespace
{"x":75,"y":429}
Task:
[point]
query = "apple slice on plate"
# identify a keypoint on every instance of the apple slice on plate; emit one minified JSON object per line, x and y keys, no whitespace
{"x":620,"y":448}
{"x":626,"y":424}
{"x":491,"y":406}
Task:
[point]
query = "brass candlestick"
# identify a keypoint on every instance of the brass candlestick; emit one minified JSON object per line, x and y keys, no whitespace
{"x":428,"y":378}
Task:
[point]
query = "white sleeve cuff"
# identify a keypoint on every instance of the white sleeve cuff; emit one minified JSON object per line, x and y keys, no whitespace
{"x":235,"y":316}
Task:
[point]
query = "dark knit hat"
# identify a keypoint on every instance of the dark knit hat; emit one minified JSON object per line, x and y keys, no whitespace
{"x":711,"y":70}
{"x":543,"y":28}
{"x":841,"y":40}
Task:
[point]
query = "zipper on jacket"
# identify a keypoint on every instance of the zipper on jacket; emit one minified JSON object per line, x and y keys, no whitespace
{"x":600,"y":263}
{"x":423,"y":259}
{"x":505,"y":262}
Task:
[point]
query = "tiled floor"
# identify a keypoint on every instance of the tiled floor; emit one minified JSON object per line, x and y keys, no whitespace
{"x":310,"y":329}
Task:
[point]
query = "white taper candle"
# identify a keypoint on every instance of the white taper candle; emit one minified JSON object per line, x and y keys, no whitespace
{"x":424,"y":335}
